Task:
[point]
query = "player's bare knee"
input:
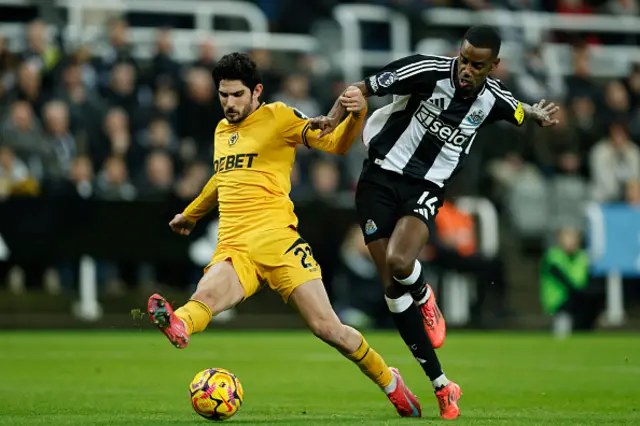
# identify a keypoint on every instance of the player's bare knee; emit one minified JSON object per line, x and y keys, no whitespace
{"x":219,"y":291}
{"x":328,"y":331}
{"x":209,"y":298}
{"x":400,"y":264}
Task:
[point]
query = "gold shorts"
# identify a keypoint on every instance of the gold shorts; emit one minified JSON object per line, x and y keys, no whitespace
{"x":279,"y":258}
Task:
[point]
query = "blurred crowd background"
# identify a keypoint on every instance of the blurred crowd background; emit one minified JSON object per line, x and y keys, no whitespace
{"x":118,"y":118}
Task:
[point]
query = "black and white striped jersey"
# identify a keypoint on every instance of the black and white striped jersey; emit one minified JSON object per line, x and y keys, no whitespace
{"x":429,"y":127}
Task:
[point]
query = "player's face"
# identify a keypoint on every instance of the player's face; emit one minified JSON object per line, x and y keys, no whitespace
{"x":473,"y":66}
{"x":237,"y":100}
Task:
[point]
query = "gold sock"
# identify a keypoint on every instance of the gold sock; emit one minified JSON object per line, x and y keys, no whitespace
{"x":371,"y":364}
{"x":196,"y":315}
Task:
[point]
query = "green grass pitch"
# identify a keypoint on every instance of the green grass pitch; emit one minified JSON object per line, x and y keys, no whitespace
{"x":137,"y":378}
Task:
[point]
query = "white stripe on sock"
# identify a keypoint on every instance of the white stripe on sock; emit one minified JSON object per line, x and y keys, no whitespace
{"x":411,"y":279}
{"x":425,"y":298}
{"x":400,"y":304}
{"x":391,"y":386}
{"x":440,"y":382}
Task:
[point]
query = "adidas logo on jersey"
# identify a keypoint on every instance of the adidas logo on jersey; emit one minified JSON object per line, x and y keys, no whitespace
{"x":437,"y":128}
{"x":439,"y":102}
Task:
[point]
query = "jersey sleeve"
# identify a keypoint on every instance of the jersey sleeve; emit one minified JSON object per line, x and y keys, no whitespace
{"x":296,"y":130}
{"x":507,"y":107}
{"x":204,"y":202}
{"x":411,"y":74}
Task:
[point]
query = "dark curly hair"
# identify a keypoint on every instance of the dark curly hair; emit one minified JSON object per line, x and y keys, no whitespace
{"x":237,"y":66}
{"x":484,"y":36}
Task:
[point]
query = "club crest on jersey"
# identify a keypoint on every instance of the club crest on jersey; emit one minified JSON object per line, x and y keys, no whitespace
{"x":370,"y":227}
{"x":386,"y":79}
{"x":476,"y":117}
{"x":233,"y":138}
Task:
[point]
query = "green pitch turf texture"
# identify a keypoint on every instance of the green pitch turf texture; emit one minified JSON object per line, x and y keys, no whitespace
{"x":137,"y":378}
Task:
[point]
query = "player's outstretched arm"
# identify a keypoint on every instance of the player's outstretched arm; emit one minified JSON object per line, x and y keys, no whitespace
{"x":327,"y":123}
{"x":340,"y":140}
{"x":411,"y":74}
{"x":183,"y":223}
{"x":542,"y":113}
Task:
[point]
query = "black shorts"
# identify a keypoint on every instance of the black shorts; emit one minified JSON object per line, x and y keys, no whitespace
{"x":383,"y":197}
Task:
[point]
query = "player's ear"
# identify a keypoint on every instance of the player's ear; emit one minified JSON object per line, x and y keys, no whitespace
{"x":257,"y":91}
{"x":495,"y":64}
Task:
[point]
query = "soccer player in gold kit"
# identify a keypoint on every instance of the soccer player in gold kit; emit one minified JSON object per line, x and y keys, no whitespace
{"x":258,"y":241}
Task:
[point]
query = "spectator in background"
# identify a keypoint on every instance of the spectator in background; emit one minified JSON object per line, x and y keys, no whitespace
{"x":271,"y":78}
{"x":616,"y":102}
{"x":550,"y":148}
{"x":122,"y":91}
{"x":113,"y":182}
{"x":23,"y":134}
{"x":117,"y":51}
{"x":325,"y":177}
{"x":41,"y":55}
{"x":325,"y":180}
{"x":453,"y":247}
{"x":206,"y":56}
{"x":28,"y":88}
{"x":613,"y":161}
{"x":165,"y":105}
{"x":535,"y":81}
{"x":199,"y":111}
{"x":564,"y":285}
{"x":164,"y":69}
{"x":157,"y":183}
{"x":580,"y":84}
{"x":300,"y":191}
{"x":632,"y":192}
{"x":115,"y":140}
{"x":584,"y":98}
{"x":359,"y":298}
{"x":158,"y":137}
{"x":15,"y":178}
{"x":58,"y":140}
{"x":84,"y":103}
{"x":511,"y":172}
{"x":8,"y":66}
{"x":192,"y":181}
{"x":295,"y":93}
{"x":632,"y":84}
{"x":81,"y":179}
{"x":83,"y":56}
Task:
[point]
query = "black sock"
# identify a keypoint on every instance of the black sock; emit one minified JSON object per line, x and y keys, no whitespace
{"x":409,"y":324}
{"x":415,"y":283}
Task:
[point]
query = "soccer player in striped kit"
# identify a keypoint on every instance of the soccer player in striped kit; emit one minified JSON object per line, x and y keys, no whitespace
{"x":415,"y":145}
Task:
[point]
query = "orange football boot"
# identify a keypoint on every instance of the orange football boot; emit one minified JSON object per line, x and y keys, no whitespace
{"x":434,"y":322}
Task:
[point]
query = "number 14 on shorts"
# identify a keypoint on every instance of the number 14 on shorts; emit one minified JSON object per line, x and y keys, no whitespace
{"x":426,"y":205}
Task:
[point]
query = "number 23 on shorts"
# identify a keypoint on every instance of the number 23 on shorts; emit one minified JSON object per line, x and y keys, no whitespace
{"x":305,"y":254}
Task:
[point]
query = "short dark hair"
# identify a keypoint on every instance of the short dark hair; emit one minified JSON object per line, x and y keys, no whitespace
{"x":484,"y":37}
{"x":237,"y":66}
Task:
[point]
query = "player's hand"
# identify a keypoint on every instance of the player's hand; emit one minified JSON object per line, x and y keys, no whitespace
{"x":353,"y":100}
{"x":327,"y":123}
{"x":543,"y":113}
{"x":181,"y":225}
